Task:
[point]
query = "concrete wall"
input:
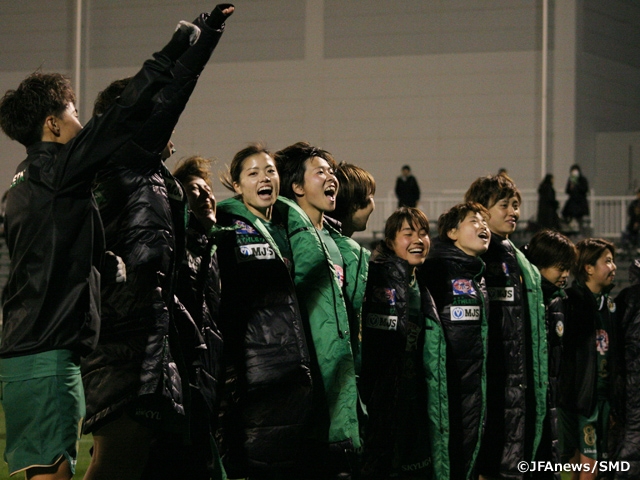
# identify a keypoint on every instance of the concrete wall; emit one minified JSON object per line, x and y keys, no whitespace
{"x":451,"y":87}
{"x":608,"y":87}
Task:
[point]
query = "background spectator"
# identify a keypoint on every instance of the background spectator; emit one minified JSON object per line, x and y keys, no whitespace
{"x":407,"y":189}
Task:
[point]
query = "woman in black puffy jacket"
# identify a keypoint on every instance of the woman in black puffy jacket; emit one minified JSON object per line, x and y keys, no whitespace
{"x":198,"y":290}
{"x":453,"y":273}
{"x":554,"y":255}
{"x":269,"y":390}
{"x":134,"y":379}
{"x":403,"y":377}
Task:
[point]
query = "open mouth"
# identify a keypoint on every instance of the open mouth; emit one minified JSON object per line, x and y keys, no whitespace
{"x":330,"y":193}
{"x":484,"y":235}
{"x":265,"y":192}
{"x":416,"y":251}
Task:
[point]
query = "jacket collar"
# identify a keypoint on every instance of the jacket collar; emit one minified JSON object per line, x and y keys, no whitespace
{"x":445,"y":250}
{"x":39,"y":148}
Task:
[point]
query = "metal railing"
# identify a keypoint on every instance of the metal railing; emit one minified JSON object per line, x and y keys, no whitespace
{"x":608,"y":217}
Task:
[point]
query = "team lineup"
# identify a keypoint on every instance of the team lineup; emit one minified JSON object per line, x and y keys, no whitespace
{"x":254,"y":338}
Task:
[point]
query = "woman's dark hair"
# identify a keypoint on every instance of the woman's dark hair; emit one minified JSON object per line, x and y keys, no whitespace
{"x":414,"y":217}
{"x":489,"y":190}
{"x":232,"y":174}
{"x":109,"y":95}
{"x":589,"y":251}
{"x":194,"y":166}
{"x":356,"y":187}
{"x":291,"y":165}
{"x":549,"y":248}
{"x":451,"y":219}
{"x":24,"y":110}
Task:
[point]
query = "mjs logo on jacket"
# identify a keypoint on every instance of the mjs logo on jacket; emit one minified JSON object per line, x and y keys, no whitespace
{"x":256,"y":251}
{"x":465,"y":313}
{"x":501,"y":294}
{"x":382,"y":322}
{"x":462,"y":286}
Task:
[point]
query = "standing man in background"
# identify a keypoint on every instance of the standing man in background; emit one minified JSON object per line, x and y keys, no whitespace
{"x":407,"y":189}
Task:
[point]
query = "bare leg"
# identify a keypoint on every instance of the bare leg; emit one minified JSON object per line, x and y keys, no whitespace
{"x":120,"y":450}
{"x":59,"y":471}
{"x":592,"y":463}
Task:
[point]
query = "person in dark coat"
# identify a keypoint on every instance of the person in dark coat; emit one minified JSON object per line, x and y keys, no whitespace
{"x":517,"y":344}
{"x":590,"y":363}
{"x":547,"y":204}
{"x":631,"y":235}
{"x":403,"y":359}
{"x":554,"y":255}
{"x":56,"y":247}
{"x":453,"y":272}
{"x":628,"y":311}
{"x":135,"y":381}
{"x":198,"y":289}
{"x":577,"y":205}
{"x":407,"y":189}
{"x":268,"y":400}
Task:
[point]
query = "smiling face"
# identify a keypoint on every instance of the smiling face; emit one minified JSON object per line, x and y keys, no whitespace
{"x":410,"y":245}
{"x":504,"y":216}
{"x":259,"y":184}
{"x":471,"y":235}
{"x":555,"y":275}
{"x":602,"y":274}
{"x":201,"y":200}
{"x":318,"y":193}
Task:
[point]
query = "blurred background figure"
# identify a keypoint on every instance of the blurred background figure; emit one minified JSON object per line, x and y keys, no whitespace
{"x":407,"y":189}
{"x":547,"y":204}
{"x":631,"y":235}
{"x":577,"y":205}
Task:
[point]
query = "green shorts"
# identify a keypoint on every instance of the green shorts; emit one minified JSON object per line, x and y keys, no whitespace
{"x":588,"y":435}
{"x":43,"y":402}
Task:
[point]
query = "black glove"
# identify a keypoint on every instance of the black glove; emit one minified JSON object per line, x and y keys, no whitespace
{"x":186,"y":34}
{"x":217,"y":18}
{"x":114,"y":269}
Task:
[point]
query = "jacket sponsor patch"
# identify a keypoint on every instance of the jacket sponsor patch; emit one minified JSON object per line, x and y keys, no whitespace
{"x":382,"y":322}
{"x":244,"y":228}
{"x":18,"y":178}
{"x":602,"y":341}
{"x":498,"y":269}
{"x":560,"y":328}
{"x":255,"y":251}
{"x":384,"y":295}
{"x":465,"y":313}
{"x":462,"y":286}
{"x":501,"y":294}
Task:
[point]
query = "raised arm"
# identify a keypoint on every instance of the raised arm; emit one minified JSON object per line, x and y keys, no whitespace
{"x":170,"y":102}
